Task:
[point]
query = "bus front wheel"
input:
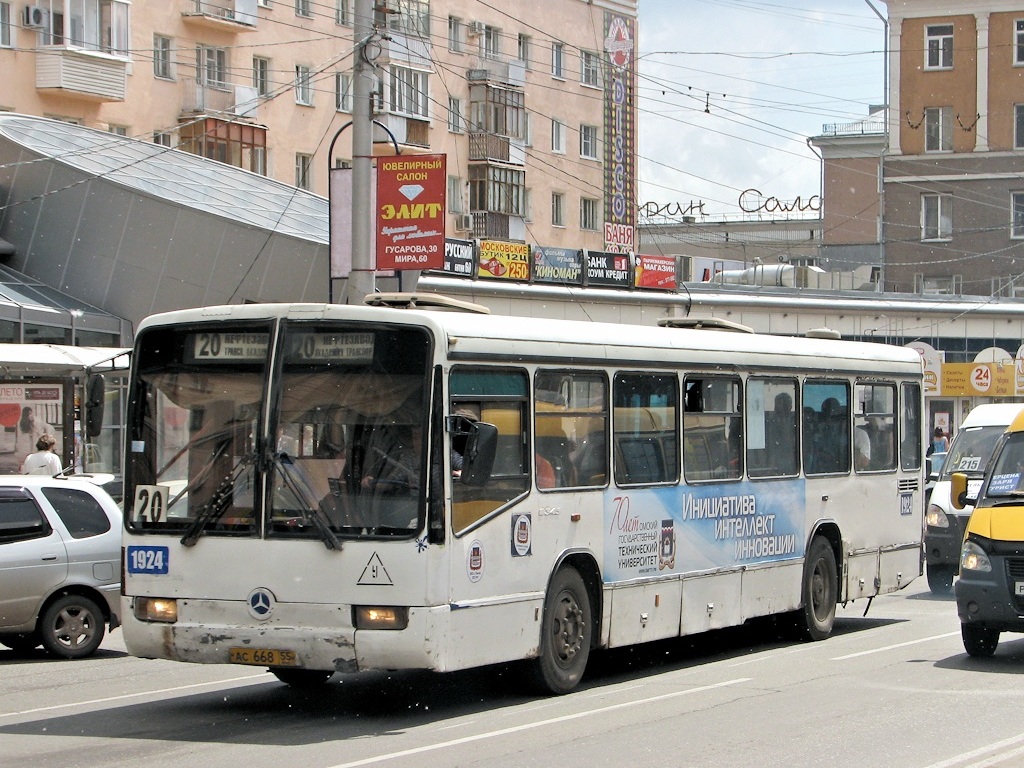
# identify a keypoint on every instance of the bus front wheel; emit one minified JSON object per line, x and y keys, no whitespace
{"x":820,"y":591}
{"x":566,"y":632}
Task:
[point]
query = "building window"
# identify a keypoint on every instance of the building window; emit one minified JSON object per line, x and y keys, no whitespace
{"x":1017,"y":208}
{"x":303,"y":85}
{"x":455,"y":195}
{"x":497,"y":189}
{"x":302,"y":8}
{"x":938,"y":129}
{"x":5,"y":25}
{"x":343,"y":91}
{"x":413,"y":17}
{"x":261,"y":75}
{"x":557,"y":209}
{"x":163,"y":138}
{"x":588,"y":214}
{"x":588,"y":142}
{"x":455,"y":124}
{"x":1018,"y":42}
{"x":523,"y":50}
{"x":456,"y":34}
{"x":212,"y":66}
{"x":409,"y":94}
{"x":490,"y":43}
{"x":1018,"y":126}
{"x":590,"y":68}
{"x":936,"y":217}
{"x":557,"y":137}
{"x":95,"y":25}
{"x":303,"y":171}
{"x":162,"y":57}
{"x":557,"y":60}
{"x":501,"y":111}
{"x":342,"y":12}
{"x":939,"y":46}
{"x":263,"y":3}
{"x":117,"y":130}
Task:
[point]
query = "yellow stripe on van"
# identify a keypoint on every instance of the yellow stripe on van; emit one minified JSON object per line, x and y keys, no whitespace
{"x":998,"y":523}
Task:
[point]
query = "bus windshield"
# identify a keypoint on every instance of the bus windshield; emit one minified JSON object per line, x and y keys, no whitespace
{"x":325,"y":442}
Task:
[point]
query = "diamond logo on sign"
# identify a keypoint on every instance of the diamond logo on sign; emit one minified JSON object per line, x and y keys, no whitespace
{"x":411,"y":191}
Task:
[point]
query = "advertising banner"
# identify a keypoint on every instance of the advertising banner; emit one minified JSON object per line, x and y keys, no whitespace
{"x":459,"y":258}
{"x":968,"y":379}
{"x":557,"y":265}
{"x":505,"y":261}
{"x":655,"y":272}
{"x":27,"y":411}
{"x":620,"y":107}
{"x":608,"y":269}
{"x":410,"y":212}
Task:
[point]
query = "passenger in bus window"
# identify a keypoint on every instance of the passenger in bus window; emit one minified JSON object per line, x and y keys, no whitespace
{"x":861,"y":448}
{"x":391,"y":476}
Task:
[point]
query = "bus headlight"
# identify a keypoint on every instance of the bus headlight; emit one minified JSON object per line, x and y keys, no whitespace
{"x":973,"y":558}
{"x":381,"y":617}
{"x":156,"y":609}
{"x":936,"y":518}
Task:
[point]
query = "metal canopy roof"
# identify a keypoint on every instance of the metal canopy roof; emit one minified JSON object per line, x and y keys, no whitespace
{"x":59,"y":360}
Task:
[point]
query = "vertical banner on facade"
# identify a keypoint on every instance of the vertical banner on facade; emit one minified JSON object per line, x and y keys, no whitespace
{"x":410,"y":212}
{"x":458,"y":258}
{"x":508,"y":261}
{"x":610,"y":270}
{"x":563,"y":266}
{"x":655,"y":272}
{"x":619,"y":133}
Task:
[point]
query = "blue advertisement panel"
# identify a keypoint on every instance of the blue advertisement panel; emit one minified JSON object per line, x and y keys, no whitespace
{"x":694,"y":528}
{"x":557,"y":265}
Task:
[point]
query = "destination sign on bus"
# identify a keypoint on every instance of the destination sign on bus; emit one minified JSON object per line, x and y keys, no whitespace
{"x":215,"y":347}
{"x":331,"y":348}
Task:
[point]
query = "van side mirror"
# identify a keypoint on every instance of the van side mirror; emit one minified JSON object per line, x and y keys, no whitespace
{"x":480,"y":452}
{"x":95,"y":392}
{"x":958,"y":490}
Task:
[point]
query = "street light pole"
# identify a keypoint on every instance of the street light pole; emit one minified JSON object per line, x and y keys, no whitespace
{"x":361,"y":278}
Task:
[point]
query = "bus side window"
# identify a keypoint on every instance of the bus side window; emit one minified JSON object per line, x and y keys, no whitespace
{"x":712,"y":429}
{"x":826,"y":427}
{"x":570,"y":428}
{"x":772,"y":427}
{"x":500,"y":395}
{"x":646,"y":428}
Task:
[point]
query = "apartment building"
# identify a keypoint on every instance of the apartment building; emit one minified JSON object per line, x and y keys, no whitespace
{"x":533,"y":104}
{"x":953,"y":219}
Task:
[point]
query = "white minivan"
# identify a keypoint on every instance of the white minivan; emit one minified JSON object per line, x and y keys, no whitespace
{"x":969,"y":453}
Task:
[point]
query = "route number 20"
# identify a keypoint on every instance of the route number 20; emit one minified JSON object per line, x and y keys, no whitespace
{"x":150,"y":503}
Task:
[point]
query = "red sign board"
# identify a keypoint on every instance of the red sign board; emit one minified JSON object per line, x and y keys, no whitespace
{"x":410,"y":212}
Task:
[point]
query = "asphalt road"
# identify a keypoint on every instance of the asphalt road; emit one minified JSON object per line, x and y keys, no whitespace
{"x":894,"y":688}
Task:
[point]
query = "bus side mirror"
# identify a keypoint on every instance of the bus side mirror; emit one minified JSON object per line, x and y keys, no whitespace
{"x":95,"y":391}
{"x":958,"y":490}
{"x":478,"y":459}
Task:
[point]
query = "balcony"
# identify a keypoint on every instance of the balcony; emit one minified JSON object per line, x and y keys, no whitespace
{"x":77,"y":73}
{"x":489,"y":147}
{"x":488,"y":225}
{"x":200,"y":98}
{"x":407,"y":131}
{"x":223,"y":15}
{"x":499,"y":72}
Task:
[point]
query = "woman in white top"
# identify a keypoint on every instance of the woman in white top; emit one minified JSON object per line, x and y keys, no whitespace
{"x":44,"y":461}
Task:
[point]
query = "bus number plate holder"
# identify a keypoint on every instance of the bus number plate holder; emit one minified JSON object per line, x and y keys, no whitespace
{"x":263,"y":657}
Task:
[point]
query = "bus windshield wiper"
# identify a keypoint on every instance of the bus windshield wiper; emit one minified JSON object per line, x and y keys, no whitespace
{"x":218,"y":503}
{"x":313,"y":515}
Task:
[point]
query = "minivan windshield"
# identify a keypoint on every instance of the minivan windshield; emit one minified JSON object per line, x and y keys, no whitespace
{"x":971,"y":451}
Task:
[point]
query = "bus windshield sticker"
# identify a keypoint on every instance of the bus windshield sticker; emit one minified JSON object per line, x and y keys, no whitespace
{"x":217,"y":347}
{"x":356,"y":348}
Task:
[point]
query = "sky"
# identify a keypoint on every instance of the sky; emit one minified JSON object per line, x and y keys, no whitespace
{"x":730,"y":91}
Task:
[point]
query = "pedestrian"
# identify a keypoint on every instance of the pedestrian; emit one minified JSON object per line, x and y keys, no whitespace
{"x":940,"y":443}
{"x":44,"y":461}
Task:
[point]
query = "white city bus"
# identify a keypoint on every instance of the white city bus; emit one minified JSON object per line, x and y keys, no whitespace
{"x":320,"y":489}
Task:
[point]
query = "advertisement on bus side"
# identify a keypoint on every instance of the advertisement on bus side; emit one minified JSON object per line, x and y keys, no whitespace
{"x":693,"y":528}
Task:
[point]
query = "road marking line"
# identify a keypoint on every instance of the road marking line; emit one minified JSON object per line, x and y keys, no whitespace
{"x":897,"y":645}
{"x":129,"y":696}
{"x":535,"y":724}
{"x":994,"y":760}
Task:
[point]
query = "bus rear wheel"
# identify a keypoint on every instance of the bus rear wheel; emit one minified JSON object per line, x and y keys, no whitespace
{"x":566,"y":632}
{"x":820,"y":591}
{"x":301,"y":678}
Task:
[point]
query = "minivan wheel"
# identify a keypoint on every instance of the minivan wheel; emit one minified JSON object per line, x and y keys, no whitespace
{"x":72,"y":627}
{"x":979,"y":640}
{"x":940,"y":579}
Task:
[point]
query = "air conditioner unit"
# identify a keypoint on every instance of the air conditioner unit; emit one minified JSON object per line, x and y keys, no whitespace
{"x":476,"y":27}
{"x":464,"y":222}
{"x":35,"y":17}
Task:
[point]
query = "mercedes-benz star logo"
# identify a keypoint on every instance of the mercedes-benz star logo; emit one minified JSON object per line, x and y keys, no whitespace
{"x":261,"y":603}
